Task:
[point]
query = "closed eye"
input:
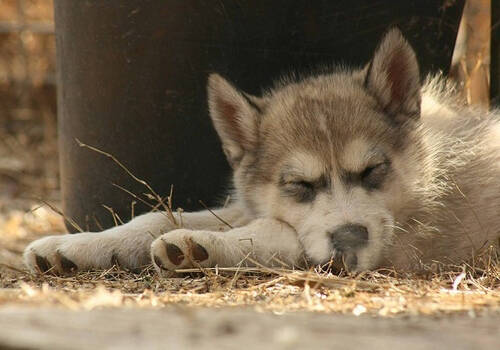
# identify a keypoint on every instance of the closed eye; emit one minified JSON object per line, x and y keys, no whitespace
{"x":373,"y":176}
{"x":366,"y":173}
{"x":305,"y":184}
{"x":302,"y":191}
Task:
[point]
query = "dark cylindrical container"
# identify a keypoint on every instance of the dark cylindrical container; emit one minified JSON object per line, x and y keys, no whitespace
{"x":132,"y":75}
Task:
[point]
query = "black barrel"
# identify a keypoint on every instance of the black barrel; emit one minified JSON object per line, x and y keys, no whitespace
{"x":132,"y":75}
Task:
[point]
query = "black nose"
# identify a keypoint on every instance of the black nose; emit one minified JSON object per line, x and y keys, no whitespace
{"x":350,"y":236}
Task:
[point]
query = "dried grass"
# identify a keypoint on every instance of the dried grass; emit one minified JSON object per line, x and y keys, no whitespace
{"x":472,"y":288}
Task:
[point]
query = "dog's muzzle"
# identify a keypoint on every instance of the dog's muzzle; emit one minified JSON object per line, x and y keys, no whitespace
{"x":346,"y":240}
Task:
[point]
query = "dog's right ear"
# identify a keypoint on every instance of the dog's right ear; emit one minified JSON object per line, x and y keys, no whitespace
{"x":393,"y":77}
{"x":235,"y":117}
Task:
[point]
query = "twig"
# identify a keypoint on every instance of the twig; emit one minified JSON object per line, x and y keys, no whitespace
{"x":14,"y":269}
{"x":67,"y":218}
{"x":115,"y":216}
{"x":132,"y":209}
{"x":218,"y":217}
{"x":144,"y":183}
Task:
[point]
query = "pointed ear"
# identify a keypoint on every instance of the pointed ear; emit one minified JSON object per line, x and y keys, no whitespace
{"x":235,"y":117}
{"x":393,"y":77}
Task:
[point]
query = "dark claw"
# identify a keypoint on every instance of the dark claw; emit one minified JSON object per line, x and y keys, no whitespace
{"x":114,"y":260}
{"x":42,"y":263}
{"x":199,"y":253}
{"x":175,"y":255}
{"x":351,"y":261}
{"x":67,"y":265}
{"x":158,"y":263}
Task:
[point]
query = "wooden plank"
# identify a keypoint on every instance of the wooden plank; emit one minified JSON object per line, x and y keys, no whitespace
{"x":495,"y":53}
{"x":188,"y":328}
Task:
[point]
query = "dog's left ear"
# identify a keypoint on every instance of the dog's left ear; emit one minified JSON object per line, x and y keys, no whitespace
{"x":235,"y":117}
{"x":393,"y":77}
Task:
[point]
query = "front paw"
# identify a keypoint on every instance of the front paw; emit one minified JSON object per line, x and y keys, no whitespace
{"x":45,"y":256}
{"x":86,"y":251}
{"x":180,"y":249}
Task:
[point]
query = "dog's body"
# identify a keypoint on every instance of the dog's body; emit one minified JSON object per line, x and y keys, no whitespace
{"x":364,"y":167}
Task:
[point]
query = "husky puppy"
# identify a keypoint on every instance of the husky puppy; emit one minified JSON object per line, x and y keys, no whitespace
{"x":363,"y":167}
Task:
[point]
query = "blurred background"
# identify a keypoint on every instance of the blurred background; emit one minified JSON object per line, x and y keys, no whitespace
{"x":28,"y":132}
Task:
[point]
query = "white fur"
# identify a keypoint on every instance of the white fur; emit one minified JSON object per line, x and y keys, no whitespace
{"x":260,"y":242}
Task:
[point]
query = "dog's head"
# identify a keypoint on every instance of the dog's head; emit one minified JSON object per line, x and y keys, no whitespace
{"x":332,"y":155}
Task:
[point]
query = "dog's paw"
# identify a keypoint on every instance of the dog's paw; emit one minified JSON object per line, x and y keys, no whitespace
{"x":180,"y":249}
{"x":46,"y":256}
{"x":67,"y":254}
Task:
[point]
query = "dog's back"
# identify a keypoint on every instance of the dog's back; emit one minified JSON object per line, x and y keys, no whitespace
{"x":460,"y":213}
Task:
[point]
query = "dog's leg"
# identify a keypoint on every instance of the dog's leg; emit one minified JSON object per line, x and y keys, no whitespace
{"x":263,"y":241}
{"x":127,"y":245}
